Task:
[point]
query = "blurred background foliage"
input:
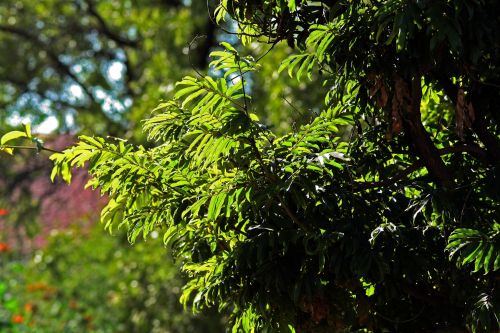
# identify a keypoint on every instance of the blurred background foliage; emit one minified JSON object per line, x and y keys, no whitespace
{"x":95,"y":64}
{"x":85,"y":281}
{"x":100,"y":67}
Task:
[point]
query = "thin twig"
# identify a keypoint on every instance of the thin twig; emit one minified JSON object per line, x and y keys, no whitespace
{"x":243,"y":83}
{"x":189,"y":54}
{"x":106,"y":30}
{"x":31,"y":148}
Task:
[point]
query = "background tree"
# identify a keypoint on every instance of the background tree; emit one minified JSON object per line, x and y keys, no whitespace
{"x":100,"y":66}
{"x":85,"y":61}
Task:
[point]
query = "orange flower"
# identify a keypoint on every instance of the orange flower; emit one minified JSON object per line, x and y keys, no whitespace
{"x":39,"y":286}
{"x":28,"y":307}
{"x":4,"y":247}
{"x":3,"y":212}
{"x":17,"y":319}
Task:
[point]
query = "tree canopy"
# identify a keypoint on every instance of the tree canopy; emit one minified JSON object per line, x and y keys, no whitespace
{"x":86,"y":62}
{"x":378,"y":214}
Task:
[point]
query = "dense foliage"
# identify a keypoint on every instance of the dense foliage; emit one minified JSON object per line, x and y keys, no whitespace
{"x":380,"y":214}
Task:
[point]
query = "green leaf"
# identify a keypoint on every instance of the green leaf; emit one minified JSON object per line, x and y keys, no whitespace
{"x":479,"y":259}
{"x":215,"y":206}
{"x":487,"y":258}
{"x":474,"y":254}
{"x":12,"y":136}
{"x":254,"y":117}
{"x":27,"y":130}
{"x":496,"y":265}
{"x":228,"y":47}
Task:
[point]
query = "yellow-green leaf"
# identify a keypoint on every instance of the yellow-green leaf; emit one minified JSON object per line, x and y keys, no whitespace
{"x":9,"y":151}
{"x":12,"y":136}
{"x":254,"y":117}
{"x":27,"y":130}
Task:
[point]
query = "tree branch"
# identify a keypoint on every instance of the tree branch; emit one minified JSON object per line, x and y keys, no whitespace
{"x":41,"y":148}
{"x":480,"y":127}
{"x":409,"y":99}
{"x":59,"y":66}
{"x":473,"y":150}
{"x":106,"y":30}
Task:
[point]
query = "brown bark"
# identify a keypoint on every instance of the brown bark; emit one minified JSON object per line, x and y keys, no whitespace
{"x":408,"y":97}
